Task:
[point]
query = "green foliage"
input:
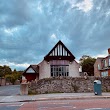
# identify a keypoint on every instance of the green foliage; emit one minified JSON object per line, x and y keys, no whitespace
{"x":4,"y":70}
{"x":13,"y":77}
{"x":7,"y":69}
{"x":32,"y":92}
{"x":88,"y":65}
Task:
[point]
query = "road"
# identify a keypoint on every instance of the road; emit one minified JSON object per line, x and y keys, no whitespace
{"x":87,"y":104}
{"x":93,"y":104}
{"x":9,"y":90}
{"x":11,"y":106}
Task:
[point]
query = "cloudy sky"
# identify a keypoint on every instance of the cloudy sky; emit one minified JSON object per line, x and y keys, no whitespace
{"x":30,"y":28}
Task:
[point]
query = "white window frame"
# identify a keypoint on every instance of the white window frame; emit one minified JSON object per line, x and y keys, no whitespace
{"x":104,"y":73}
{"x":105,"y":63}
{"x":59,"y":70}
{"x":98,"y":67}
{"x":109,"y":61}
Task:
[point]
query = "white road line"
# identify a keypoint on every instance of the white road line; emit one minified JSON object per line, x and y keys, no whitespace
{"x":74,"y":107}
{"x":93,"y":108}
{"x":16,"y":105}
{"x":56,"y":107}
{"x":58,"y":103}
{"x":67,"y":106}
{"x":12,"y":105}
{"x":22,"y":104}
{"x":7,"y":97}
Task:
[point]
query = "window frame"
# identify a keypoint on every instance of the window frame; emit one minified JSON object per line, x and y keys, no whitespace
{"x":105,"y":63}
{"x":59,"y":70}
{"x":98,"y":66}
{"x":109,"y":62}
{"x":104,"y":74}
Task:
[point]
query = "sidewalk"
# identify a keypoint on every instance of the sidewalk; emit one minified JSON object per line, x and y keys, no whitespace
{"x":56,"y":96}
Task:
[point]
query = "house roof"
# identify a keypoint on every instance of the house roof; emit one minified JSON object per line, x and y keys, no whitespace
{"x":100,"y":58}
{"x":34,"y":67}
{"x":59,"y":52}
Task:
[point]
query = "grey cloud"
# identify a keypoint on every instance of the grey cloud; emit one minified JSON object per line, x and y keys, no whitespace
{"x":82,"y":33}
{"x":14,"y":12}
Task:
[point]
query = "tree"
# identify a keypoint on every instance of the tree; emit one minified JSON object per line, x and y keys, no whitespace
{"x":2,"y":73}
{"x":13,"y":77}
{"x":88,"y":65}
{"x":5,"y":70}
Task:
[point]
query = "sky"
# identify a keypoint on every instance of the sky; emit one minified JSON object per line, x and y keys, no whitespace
{"x":30,"y":28}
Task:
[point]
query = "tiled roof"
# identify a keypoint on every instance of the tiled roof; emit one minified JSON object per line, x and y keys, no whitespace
{"x":35,"y":68}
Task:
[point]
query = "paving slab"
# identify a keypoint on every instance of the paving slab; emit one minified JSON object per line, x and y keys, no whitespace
{"x":57,"y":96}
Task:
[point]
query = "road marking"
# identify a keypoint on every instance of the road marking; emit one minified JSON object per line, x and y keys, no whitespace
{"x":49,"y":108}
{"x":58,"y":103}
{"x":40,"y":108}
{"x":67,"y":106}
{"x":74,"y":107}
{"x":7,"y":97}
{"x":12,"y":104}
{"x":22,"y":104}
{"x":16,"y":104}
{"x":93,"y":108}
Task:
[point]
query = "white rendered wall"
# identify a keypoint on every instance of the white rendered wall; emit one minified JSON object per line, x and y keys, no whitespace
{"x":74,"y":69}
{"x":44,"y":70}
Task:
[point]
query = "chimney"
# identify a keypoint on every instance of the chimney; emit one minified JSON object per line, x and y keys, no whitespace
{"x":109,"y":51}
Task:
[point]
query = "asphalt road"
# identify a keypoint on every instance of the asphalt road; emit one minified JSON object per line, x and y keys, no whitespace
{"x":11,"y":106}
{"x":87,"y":104}
{"x":9,"y":90}
{"x":93,"y":104}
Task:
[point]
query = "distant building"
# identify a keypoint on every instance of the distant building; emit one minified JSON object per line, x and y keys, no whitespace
{"x":58,"y":62}
{"x":102,"y":66}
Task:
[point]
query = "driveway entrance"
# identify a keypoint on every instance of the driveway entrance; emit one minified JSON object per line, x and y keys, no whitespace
{"x":9,"y":90}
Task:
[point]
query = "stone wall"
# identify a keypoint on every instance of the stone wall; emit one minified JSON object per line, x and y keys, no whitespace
{"x":68,"y":85}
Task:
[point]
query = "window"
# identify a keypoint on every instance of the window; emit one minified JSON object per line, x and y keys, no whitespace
{"x":105,"y":63}
{"x":59,"y":70}
{"x":104,"y":74}
{"x":98,"y":67}
{"x":109,"y":61}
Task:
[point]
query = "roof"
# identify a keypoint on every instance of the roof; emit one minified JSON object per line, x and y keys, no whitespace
{"x":34,"y":67}
{"x":100,"y":57}
{"x":59,"y":52}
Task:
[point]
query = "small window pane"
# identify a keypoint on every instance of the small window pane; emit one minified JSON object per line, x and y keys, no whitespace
{"x":109,"y":61}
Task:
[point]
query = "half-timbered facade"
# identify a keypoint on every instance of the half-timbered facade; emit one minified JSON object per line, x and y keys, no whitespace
{"x":58,"y":62}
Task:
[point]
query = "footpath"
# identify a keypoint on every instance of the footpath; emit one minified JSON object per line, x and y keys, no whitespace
{"x":56,"y":96}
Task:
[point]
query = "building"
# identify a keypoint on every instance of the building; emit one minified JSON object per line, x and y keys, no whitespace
{"x":102,"y":66}
{"x":58,"y":62}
